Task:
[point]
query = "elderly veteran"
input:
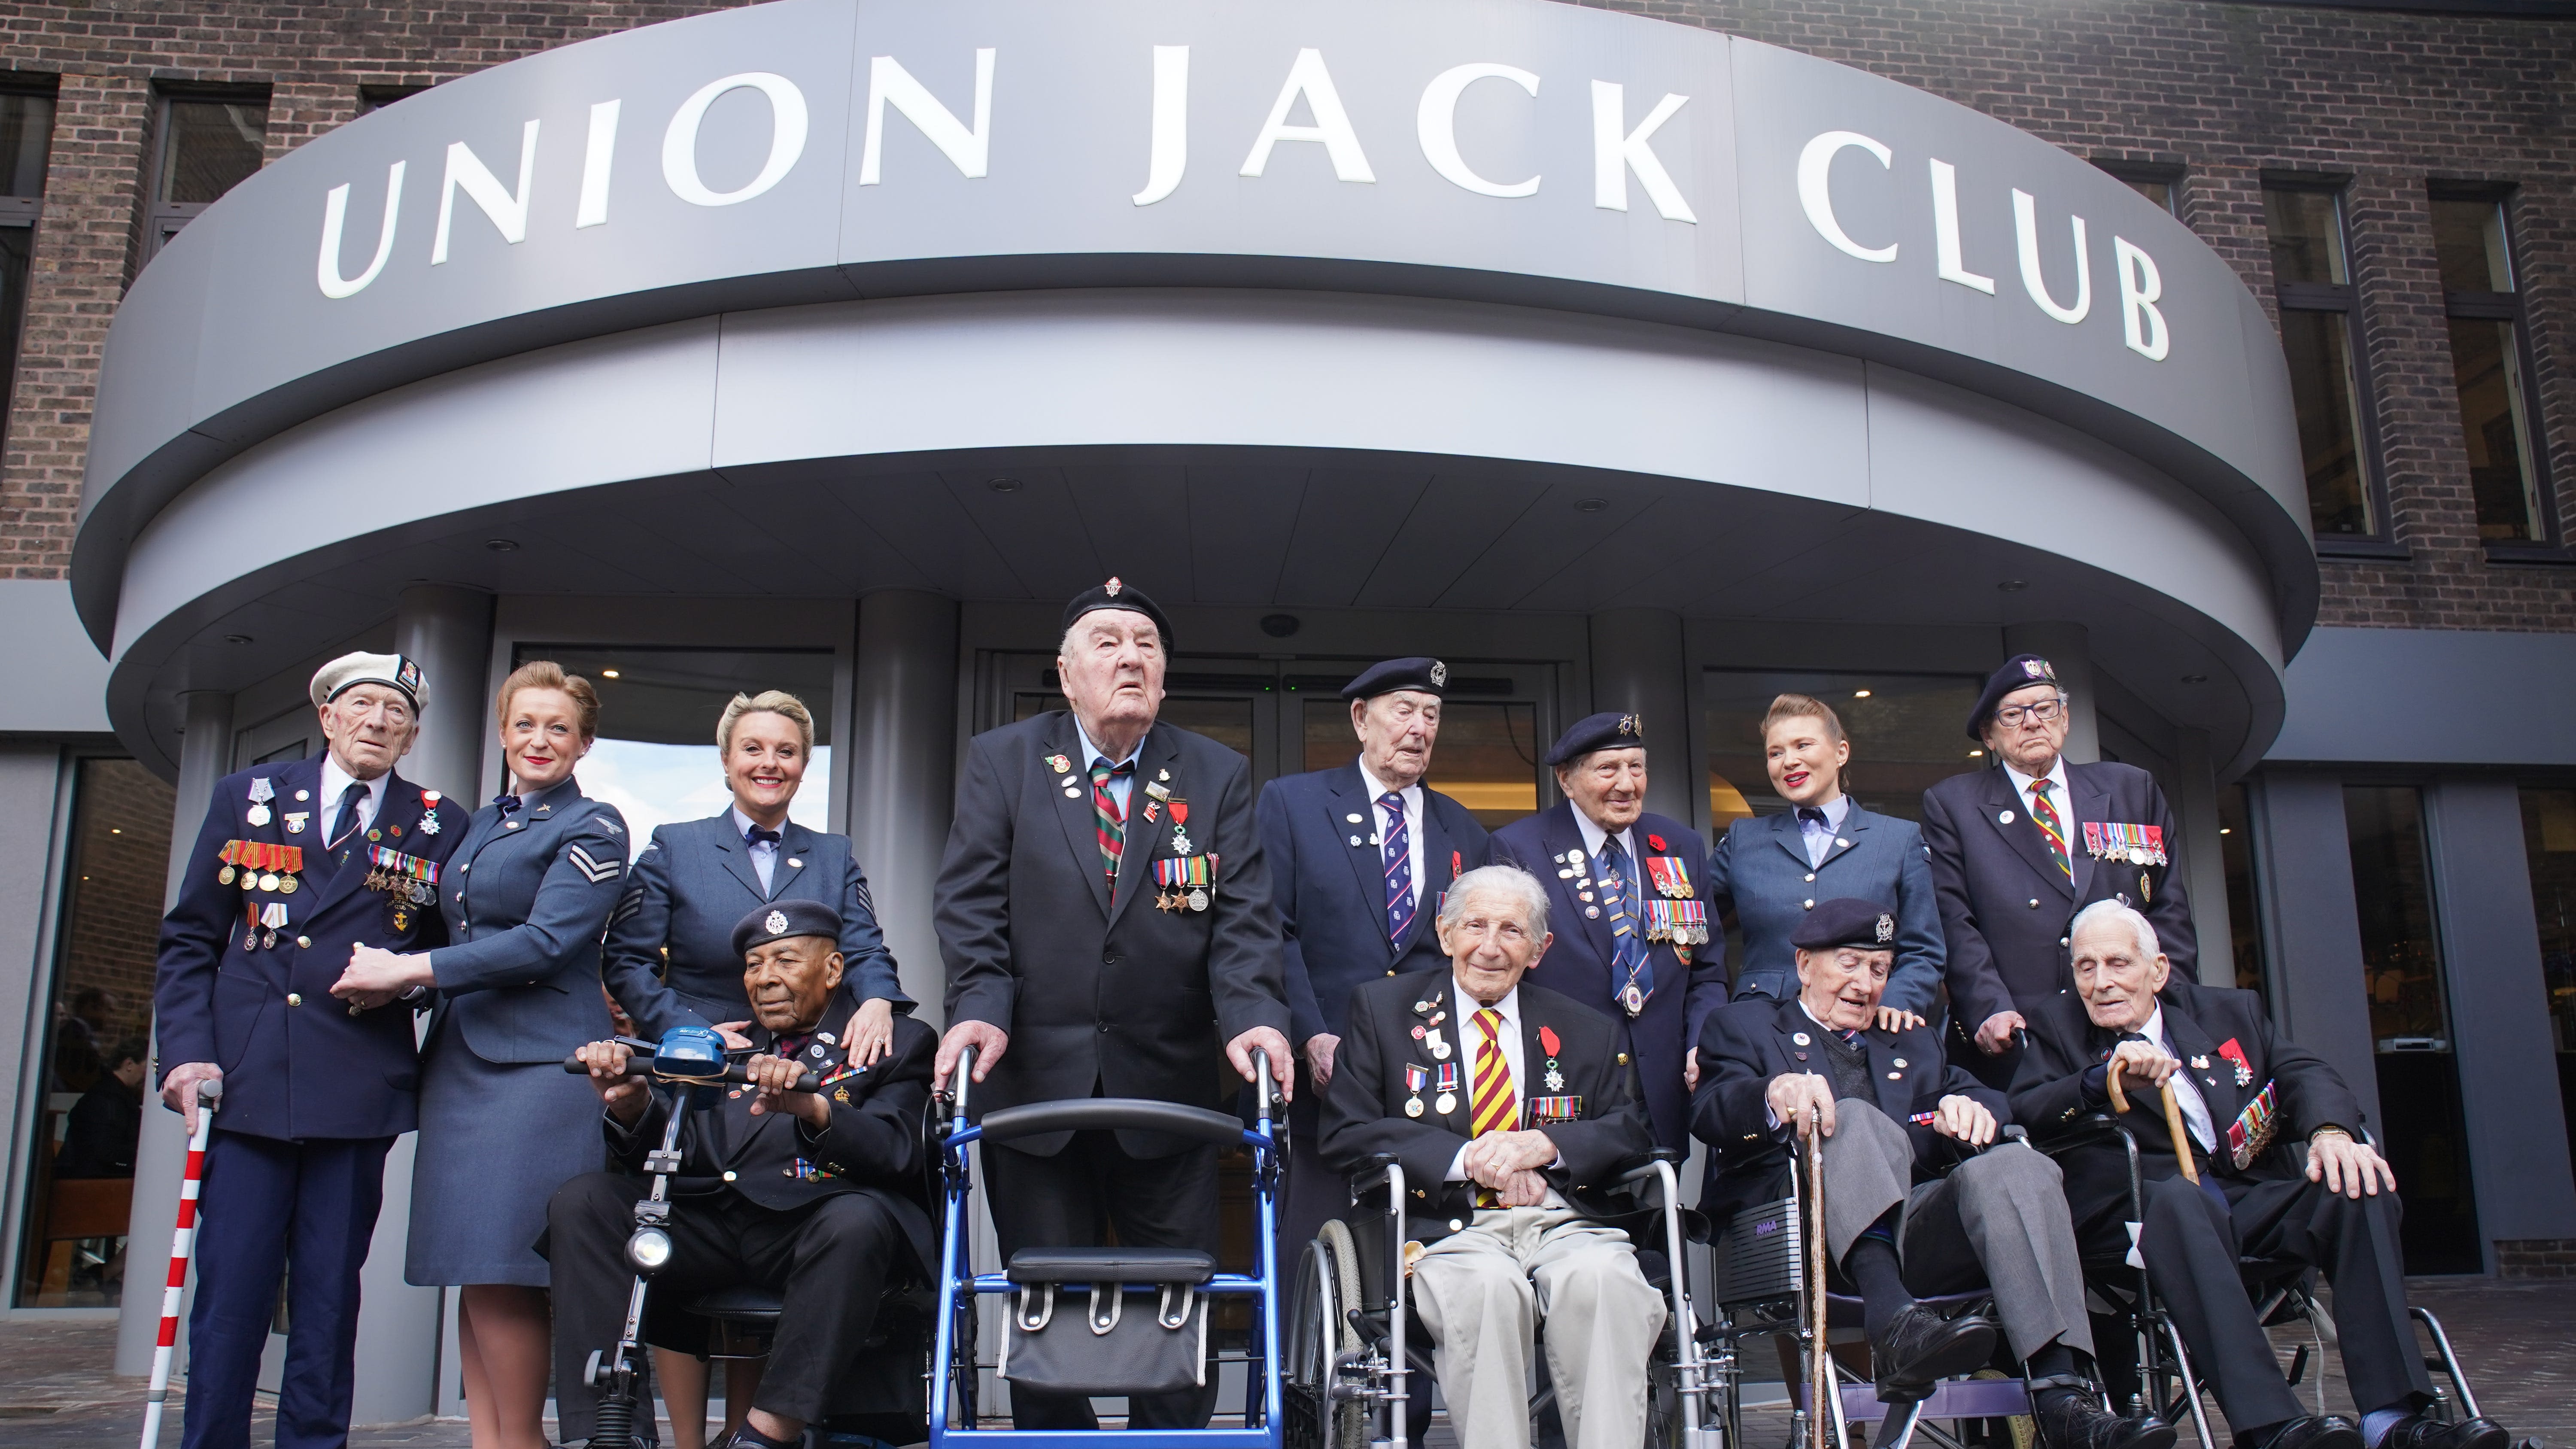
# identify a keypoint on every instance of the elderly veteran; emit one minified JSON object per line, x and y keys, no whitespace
{"x":2019,"y":848}
{"x":1359,"y":856}
{"x":817,"y":1195}
{"x":1894,"y":1115}
{"x":296,"y":864}
{"x":1502,"y":1136}
{"x":2271,"y":1129}
{"x":1627,"y":886}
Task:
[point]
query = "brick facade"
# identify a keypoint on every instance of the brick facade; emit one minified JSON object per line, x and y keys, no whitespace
{"x":2226,"y":92}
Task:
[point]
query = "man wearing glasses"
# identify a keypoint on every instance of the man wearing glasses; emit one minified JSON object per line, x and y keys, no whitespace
{"x":2018,"y":849}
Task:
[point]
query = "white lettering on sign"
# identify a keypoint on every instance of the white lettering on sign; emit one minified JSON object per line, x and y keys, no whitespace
{"x":1945,"y":230}
{"x":2141,"y":325}
{"x":1435,"y":123}
{"x":2026,"y":237}
{"x":1332,"y":128}
{"x":1815,"y":190}
{"x":335,"y":215}
{"x":466,"y":172}
{"x":1616,"y":153}
{"x":1168,"y":156}
{"x":596,"y":156}
{"x":786,"y":138}
{"x":970,"y":151}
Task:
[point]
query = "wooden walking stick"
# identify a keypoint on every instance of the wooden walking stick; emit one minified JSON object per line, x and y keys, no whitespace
{"x":2173,"y":1119}
{"x":1824,"y":1397}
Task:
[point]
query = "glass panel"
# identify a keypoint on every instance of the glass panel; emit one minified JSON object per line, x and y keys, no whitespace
{"x":1905,"y":733}
{"x":656,"y":755}
{"x":2321,"y":392}
{"x":26,"y":135}
{"x":80,"y":1184}
{"x":209,"y":147}
{"x":2307,"y":235}
{"x":2236,"y":855}
{"x":2549,"y":844}
{"x":16,"y":244}
{"x":1487,"y":757}
{"x":2469,"y":237}
{"x":2486,"y":368}
{"x":2419,"y":1085}
{"x":2159,"y":192}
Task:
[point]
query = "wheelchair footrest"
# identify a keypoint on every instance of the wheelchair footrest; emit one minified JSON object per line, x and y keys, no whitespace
{"x":1951,"y":1399}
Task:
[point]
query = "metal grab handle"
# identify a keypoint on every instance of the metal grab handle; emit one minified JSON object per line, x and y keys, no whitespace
{"x":733,"y":1073}
{"x":1261,"y":1076}
{"x":965,"y":1074}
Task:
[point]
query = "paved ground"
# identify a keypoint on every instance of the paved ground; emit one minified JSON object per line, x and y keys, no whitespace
{"x":2518,"y":1341}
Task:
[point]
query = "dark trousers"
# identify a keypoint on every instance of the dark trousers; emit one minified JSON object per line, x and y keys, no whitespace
{"x":2191,"y":1247}
{"x":266,"y":1204}
{"x":1315,"y":1194}
{"x":1068,"y":1201}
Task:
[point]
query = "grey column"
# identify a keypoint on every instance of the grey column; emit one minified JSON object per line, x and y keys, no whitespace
{"x":2065,"y":646}
{"x":2204,"y":868}
{"x":160,"y":1157}
{"x":2312,"y":925}
{"x":2499,"y":1000}
{"x":1638,"y":668}
{"x":903,"y":773}
{"x":447,"y":631}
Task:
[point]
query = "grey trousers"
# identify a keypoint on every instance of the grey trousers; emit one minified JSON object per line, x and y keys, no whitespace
{"x":1482,"y":1291}
{"x":1999,"y":1221}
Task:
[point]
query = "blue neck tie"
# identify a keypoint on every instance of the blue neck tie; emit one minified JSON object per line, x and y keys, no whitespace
{"x":1629,"y":969}
{"x":508,"y":805}
{"x":347,"y":819}
{"x":1399,"y":869}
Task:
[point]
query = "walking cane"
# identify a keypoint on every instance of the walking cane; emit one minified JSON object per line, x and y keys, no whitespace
{"x":2173,"y":1119}
{"x":1822,"y":1390}
{"x":182,"y":1240}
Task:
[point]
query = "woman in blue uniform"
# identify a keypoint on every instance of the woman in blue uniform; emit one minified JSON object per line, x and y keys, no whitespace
{"x":1772,"y":869}
{"x":526,"y":896}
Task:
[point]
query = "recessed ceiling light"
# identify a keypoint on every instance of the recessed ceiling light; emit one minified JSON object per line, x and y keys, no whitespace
{"x":608,"y":673}
{"x":236,"y":638}
{"x":1591,"y":505}
{"x":502,"y":545}
{"x":116,"y":830}
{"x":2013,"y":586}
{"x":2223,"y":830}
{"x":1860,"y":694}
{"x":1976,"y":754}
{"x":1003,"y":485}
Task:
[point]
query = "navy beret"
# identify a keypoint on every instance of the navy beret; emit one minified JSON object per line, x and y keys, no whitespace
{"x":781,"y":919}
{"x":1118,"y":594}
{"x":1421,"y":672}
{"x":2019,"y":672}
{"x":1598,"y":732}
{"x":1846,"y":922}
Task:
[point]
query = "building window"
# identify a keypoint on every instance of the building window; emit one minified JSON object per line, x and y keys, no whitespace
{"x":208,"y":145}
{"x":2244,"y":923}
{"x":2156,"y":181}
{"x":2419,"y":1083}
{"x":2549,"y":844}
{"x":80,"y":1179}
{"x":2491,"y":370}
{"x":26,"y":138}
{"x":376,"y":98}
{"x":1487,"y":759}
{"x":2312,"y":281}
{"x":1904,"y":733}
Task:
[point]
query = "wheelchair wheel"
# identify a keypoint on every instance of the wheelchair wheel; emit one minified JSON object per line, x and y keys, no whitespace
{"x":1327,"y":1286}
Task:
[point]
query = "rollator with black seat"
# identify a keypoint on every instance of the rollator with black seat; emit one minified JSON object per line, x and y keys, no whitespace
{"x":2240,"y":1169}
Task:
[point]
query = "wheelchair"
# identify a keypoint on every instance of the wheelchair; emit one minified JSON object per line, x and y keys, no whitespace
{"x":1348,"y":1383}
{"x":1036,"y":1279}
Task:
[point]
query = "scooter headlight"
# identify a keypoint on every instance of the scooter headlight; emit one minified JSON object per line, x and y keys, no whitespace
{"x":648,"y":1249}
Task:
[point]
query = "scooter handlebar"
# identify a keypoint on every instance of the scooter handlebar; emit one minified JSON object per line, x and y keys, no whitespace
{"x":733,"y":1072}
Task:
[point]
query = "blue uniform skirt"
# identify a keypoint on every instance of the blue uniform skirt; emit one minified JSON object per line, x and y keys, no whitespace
{"x":496,"y":1140}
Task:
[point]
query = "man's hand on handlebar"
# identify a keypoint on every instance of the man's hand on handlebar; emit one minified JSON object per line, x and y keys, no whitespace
{"x":988,"y":1040}
{"x":625,"y":1096}
{"x":775,"y":1078}
{"x":179,"y":1089}
{"x":1264,"y":1039}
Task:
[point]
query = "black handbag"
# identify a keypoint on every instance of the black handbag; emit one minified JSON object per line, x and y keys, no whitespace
{"x":1107,"y":1320}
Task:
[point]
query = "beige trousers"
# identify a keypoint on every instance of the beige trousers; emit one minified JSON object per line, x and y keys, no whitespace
{"x":1482,"y":1293}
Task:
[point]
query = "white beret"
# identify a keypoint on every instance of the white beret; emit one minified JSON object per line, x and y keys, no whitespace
{"x":391,"y":670}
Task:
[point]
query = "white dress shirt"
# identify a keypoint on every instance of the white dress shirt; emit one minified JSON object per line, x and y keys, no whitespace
{"x":2059,"y":798}
{"x":1411,"y":795}
{"x":1821,"y":838}
{"x":764,"y":856}
{"x":2195,"y":1110}
{"x":1593,"y":835}
{"x":1471,"y":1039}
{"x":1120,"y":786}
{"x":336,"y":783}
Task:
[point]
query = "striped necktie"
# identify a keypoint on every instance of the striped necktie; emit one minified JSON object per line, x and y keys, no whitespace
{"x":2044,"y":815}
{"x":1399,"y":869}
{"x":1631,"y":970}
{"x":1107,"y":820}
{"x":1494,"y":1109}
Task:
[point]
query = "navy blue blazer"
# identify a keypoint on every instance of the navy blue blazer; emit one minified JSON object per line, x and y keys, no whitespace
{"x":296,"y":1064}
{"x":526,"y":899}
{"x":1690,"y":981}
{"x":670,"y":958}
{"x":2005,"y":906}
{"x":1331,"y":893}
{"x":1760,"y":871}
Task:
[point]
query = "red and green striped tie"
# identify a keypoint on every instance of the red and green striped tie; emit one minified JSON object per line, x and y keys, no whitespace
{"x":1107,"y":820}
{"x":2044,"y":815}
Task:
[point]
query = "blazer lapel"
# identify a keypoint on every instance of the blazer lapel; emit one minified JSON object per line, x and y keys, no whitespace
{"x":1143,"y":837}
{"x":2216,"y":1080}
{"x":1349,"y":797}
{"x":1073,"y":811}
{"x":1894,"y":1084}
{"x":2088,"y":804}
{"x":1784,"y":830}
{"x":795,"y":845}
{"x":1796,"y":1056}
{"x":1847,"y":839}
{"x":390,"y":811}
{"x":1563,"y":835}
{"x":2020,"y":832}
{"x":736,"y":855}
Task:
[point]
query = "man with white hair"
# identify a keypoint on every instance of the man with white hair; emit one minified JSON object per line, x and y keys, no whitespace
{"x":2275,"y":1136}
{"x":1507,"y":1135}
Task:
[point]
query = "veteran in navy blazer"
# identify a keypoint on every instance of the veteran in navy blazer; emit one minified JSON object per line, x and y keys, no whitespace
{"x":283,"y":881}
{"x":1636,"y":946}
{"x":670,"y":960}
{"x":2018,"y":849}
{"x":1770,"y":870}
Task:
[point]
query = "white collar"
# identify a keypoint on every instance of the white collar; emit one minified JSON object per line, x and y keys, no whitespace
{"x":336,"y":782}
{"x":1509,"y":1006}
{"x":2056,"y":779}
{"x":1412,"y":793}
{"x":2155,"y":1027}
{"x":1593,"y":834}
{"x":1092,"y":751}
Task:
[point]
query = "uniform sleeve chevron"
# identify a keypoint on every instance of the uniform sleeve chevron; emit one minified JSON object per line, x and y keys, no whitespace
{"x":629,"y":905}
{"x":593,"y":867}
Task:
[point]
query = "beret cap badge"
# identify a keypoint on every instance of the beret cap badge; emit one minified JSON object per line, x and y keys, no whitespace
{"x":776,"y":923}
{"x":1886,"y":927}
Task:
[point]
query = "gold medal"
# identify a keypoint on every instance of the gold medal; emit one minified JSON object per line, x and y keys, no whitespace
{"x":225,"y":875}
{"x":1413,"y":1106}
{"x":268,"y":881}
{"x":286,"y":885}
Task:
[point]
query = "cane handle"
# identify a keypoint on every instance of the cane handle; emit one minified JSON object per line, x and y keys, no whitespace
{"x":2111,"y":1079}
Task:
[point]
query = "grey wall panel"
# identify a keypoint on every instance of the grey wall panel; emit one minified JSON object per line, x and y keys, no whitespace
{"x":41,"y":639}
{"x":2393,"y":696}
{"x":2311,"y":926}
{"x":34,"y":792}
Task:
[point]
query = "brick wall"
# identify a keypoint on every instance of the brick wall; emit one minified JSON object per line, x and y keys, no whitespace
{"x":2225,"y":91}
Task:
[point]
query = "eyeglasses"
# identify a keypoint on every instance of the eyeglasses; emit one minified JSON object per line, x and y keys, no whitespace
{"x":2044,"y":712}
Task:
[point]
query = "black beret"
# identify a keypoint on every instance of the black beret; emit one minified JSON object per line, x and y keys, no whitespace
{"x":1118,"y":594}
{"x":1846,"y":922}
{"x":1598,"y":732}
{"x":1421,"y":672}
{"x":2019,"y":672}
{"x":781,"y":919}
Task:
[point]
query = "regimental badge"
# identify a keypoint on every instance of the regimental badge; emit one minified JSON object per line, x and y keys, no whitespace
{"x":1112,"y":587}
{"x":1439,"y":674}
{"x":775,"y":923}
{"x":1632,"y":727}
{"x":1886,"y":928}
{"x":2039,"y":669}
{"x":1059,"y":764}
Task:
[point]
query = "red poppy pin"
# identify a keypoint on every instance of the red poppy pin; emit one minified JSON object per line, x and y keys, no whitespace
{"x":1657,"y":842}
{"x":1547,"y":1039}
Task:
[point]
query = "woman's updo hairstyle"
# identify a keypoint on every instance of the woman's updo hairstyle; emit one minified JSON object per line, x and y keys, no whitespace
{"x":768,"y":701}
{"x":547,"y":674}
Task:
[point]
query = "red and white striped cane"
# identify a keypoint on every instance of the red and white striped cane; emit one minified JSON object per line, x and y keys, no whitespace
{"x":182,"y":1241}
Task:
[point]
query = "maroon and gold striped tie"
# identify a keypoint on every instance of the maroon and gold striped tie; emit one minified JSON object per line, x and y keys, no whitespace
{"x":1491,"y":1092}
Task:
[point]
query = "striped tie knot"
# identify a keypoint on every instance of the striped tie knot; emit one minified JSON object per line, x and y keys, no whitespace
{"x":2051,"y":828}
{"x":1108,"y":821}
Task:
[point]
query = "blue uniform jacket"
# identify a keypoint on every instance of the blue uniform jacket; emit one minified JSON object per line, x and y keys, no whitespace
{"x":688,"y":888}
{"x":1690,"y":981}
{"x":1760,"y":871}
{"x":296,"y":1064}
{"x":1331,"y":894}
{"x":526,"y":899}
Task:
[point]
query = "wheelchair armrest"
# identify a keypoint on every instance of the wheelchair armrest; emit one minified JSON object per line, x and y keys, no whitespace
{"x":2092,"y":1127}
{"x":1639,"y":1170}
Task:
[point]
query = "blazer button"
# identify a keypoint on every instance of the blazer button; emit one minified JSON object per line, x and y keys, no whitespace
{"x":2034,"y":903}
{"x":728,"y":1175}
{"x":1623,"y":1059}
{"x":1104,"y":1028}
{"x":2061,"y":940}
{"x":304,"y":940}
{"x":1807,"y":905}
{"x":1390,"y":971}
{"x":294,"y":999}
{"x":1811,"y":877}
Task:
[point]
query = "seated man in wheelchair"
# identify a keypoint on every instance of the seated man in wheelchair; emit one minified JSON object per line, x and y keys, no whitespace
{"x":2326,"y":1199}
{"x":1894,"y":1115}
{"x":1442,"y":1069}
{"x":816,"y":1195}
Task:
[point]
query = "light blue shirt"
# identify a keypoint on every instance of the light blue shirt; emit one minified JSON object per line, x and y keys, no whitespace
{"x":1120,"y":786}
{"x":1820,"y":838}
{"x":764,"y":856}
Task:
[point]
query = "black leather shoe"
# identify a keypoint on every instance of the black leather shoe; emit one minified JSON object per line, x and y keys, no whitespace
{"x":1922,"y":1348}
{"x":2419,"y":1432}
{"x":2078,"y":1421}
{"x":2315,"y":1431}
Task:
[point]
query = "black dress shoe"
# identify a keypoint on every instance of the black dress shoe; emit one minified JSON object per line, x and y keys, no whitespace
{"x":2416,"y":1431}
{"x":1921,"y":1348}
{"x":2078,"y":1421}
{"x":2315,"y":1431}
